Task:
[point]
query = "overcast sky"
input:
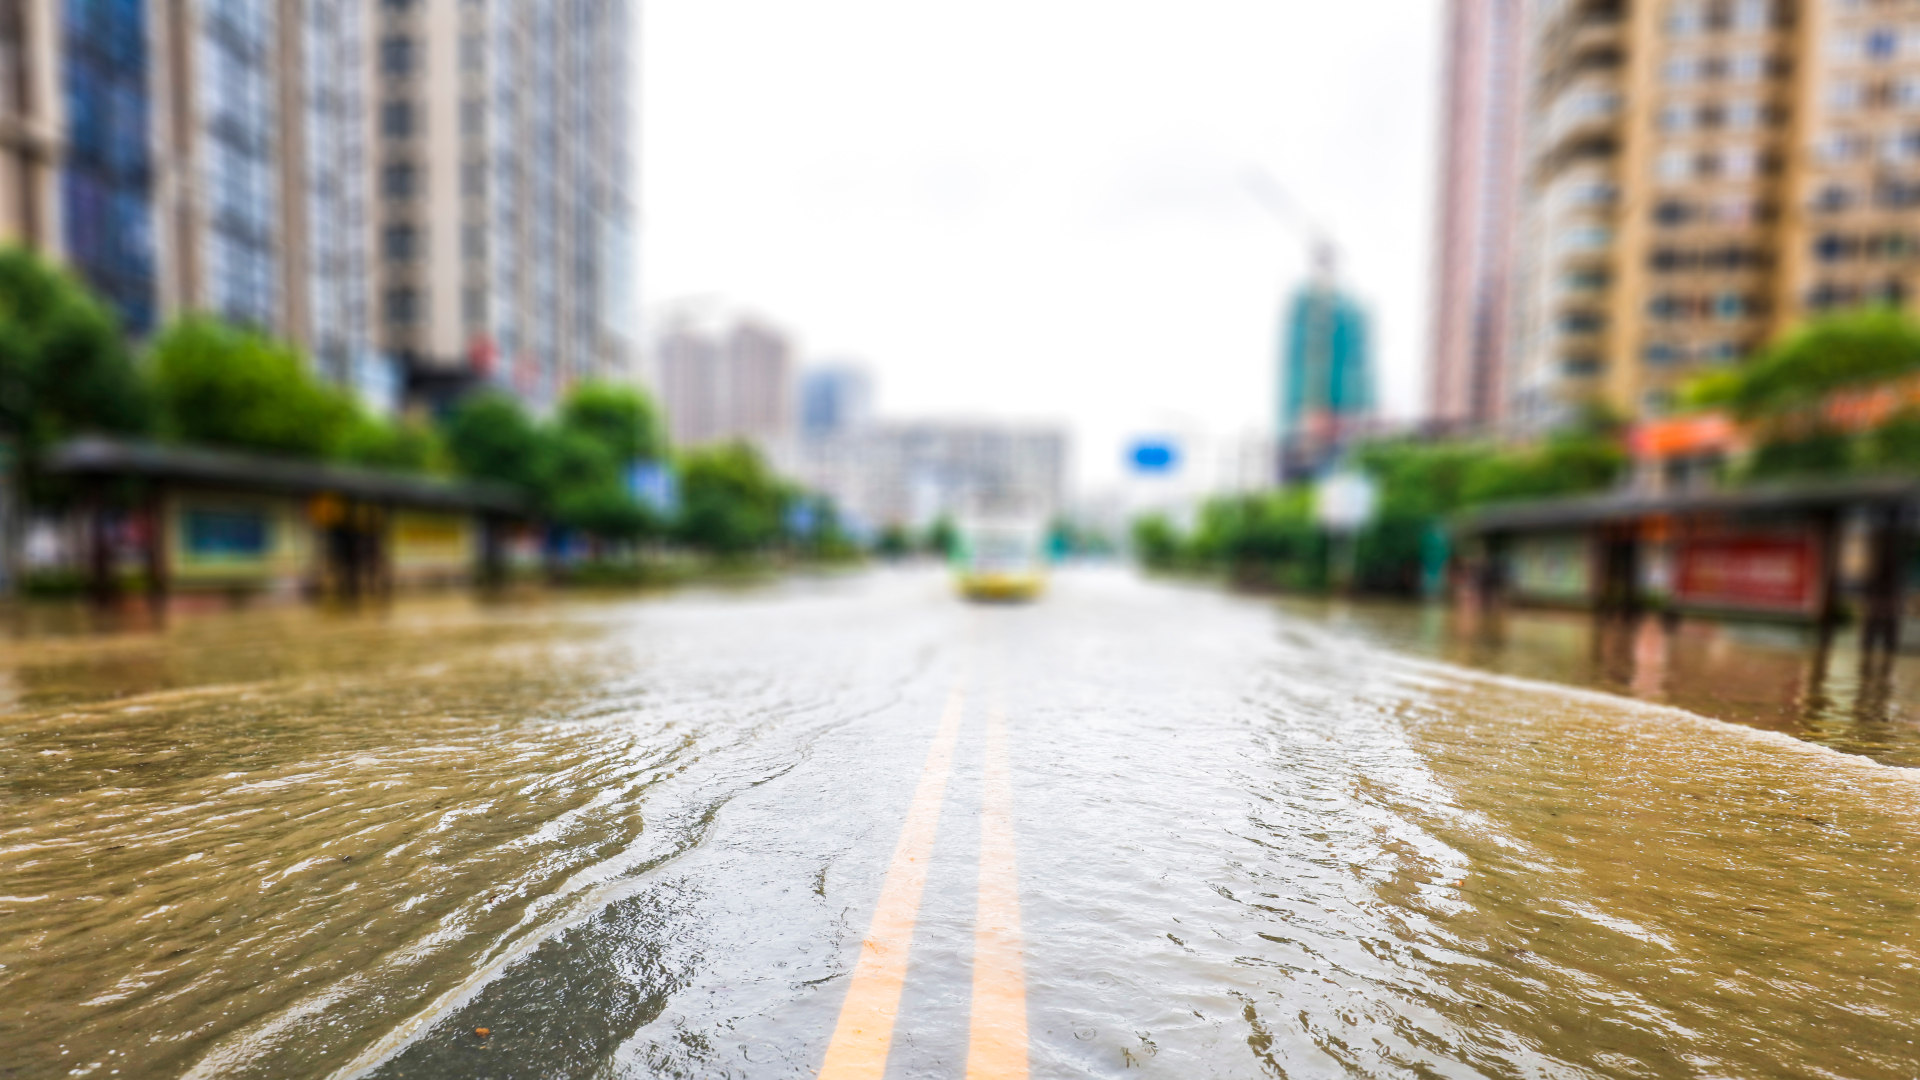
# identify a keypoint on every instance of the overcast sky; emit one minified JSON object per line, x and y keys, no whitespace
{"x":1035,"y":209}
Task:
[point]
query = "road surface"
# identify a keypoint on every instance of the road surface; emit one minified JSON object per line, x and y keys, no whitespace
{"x":854,"y":827}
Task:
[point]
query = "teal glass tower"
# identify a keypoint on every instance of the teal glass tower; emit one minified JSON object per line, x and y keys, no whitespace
{"x":1326,"y":366}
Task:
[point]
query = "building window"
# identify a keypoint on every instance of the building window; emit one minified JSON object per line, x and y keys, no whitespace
{"x":400,"y":243}
{"x":1660,"y":353}
{"x":1739,"y":162}
{"x":1833,"y":247}
{"x":1746,"y":66}
{"x":1674,"y":164}
{"x":1743,"y":114}
{"x":1676,"y":118}
{"x":1686,"y":19}
{"x":397,"y":55}
{"x":473,"y":305}
{"x":399,"y":180}
{"x":403,"y":306}
{"x":472,"y":52}
{"x":397,"y":119}
{"x":1672,"y":212}
{"x":1752,"y":15}
{"x":473,"y":178}
{"x":473,"y":242}
{"x":473,"y":117}
{"x":1729,"y":305}
{"x":1881,"y":44}
{"x":1580,"y":367}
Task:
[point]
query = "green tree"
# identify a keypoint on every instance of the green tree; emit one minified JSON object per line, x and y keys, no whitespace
{"x":893,"y":542}
{"x":1157,"y":542}
{"x":1803,"y":366}
{"x":731,"y":504}
{"x":222,"y":385}
{"x":621,"y":417}
{"x":943,"y":538}
{"x":63,"y":368}
{"x":491,"y":437}
{"x":1895,"y":444}
{"x":1566,"y":464}
{"x":403,"y":444}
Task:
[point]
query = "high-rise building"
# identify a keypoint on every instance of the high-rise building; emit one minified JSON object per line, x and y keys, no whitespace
{"x":222,"y":237}
{"x":1702,"y":174}
{"x":502,"y":169}
{"x":1326,"y":376}
{"x":76,"y":164}
{"x":726,"y":382}
{"x":1482,"y":105}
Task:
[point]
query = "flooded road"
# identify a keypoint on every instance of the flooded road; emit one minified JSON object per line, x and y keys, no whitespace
{"x":855,"y":828}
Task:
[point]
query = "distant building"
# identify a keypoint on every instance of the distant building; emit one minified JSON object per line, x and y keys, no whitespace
{"x":1483,"y":108}
{"x":1326,"y":376}
{"x":912,"y":474}
{"x":724,"y":382}
{"x":835,"y":399}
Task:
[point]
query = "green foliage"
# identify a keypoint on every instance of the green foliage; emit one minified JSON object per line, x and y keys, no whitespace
{"x":1821,"y":356}
{"x":621,"y":418}
{"x":1895,"y":444}
{"x":1823,"y":452}
{"x":403,"y":445}
{"x":491,"y":437}
{"x":1157,"y":542}
{"x":221,"y":385}
{"x":573,"y":470}
{"x":942,"y":539}
{"x":1272,"y":539}
{"x":63,"y":368}
{"x":1573,"y":464}
{"x":730,"y":501}
{"x":893,"y":542}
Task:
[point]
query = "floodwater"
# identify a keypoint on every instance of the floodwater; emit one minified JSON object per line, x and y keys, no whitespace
{"x":1134,"y":829}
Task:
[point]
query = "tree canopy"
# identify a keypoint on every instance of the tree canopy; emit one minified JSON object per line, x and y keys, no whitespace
{"x":730,"y":501}
{"x":63,"y":368}
{"x":1816,"y":359}
{"x":223,"y":385}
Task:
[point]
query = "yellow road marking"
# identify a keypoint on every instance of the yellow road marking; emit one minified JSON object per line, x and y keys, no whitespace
{"x":997,"y":1043}
{"x":865,"y":1031}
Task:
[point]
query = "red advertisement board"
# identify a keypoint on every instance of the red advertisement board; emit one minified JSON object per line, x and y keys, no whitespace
{"x":1773,"y":573}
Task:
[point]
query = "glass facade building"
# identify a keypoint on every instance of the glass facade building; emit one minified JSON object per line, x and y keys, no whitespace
{"x":107,"y":177}
{"x":237,"y":104}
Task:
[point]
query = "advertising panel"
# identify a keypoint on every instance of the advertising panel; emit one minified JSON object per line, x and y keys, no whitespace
{"x":1557,"y":567}
{"x":1775,"y":573}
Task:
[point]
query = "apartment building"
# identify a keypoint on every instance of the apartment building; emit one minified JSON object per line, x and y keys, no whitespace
{"x":446,"y":183}
{"x":726,"y":379}
{"x":1701,"y":174}
{"x":1482,"y":100}
{"x":504,"y":193}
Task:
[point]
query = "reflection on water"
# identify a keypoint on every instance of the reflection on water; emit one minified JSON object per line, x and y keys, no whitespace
{"x":1776,"y":676}
{"x":638,"y":839}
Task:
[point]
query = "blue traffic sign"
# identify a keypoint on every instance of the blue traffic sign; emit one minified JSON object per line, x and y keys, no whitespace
{"x":1154,"y":456}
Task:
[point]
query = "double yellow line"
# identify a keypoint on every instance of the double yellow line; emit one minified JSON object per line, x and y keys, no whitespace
{"x":997,"y":1037}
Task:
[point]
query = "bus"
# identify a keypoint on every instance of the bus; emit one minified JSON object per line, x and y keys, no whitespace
{"x":1001,"y":560}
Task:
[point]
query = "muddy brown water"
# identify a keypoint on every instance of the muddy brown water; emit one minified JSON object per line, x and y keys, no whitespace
{"x":643,"y":837}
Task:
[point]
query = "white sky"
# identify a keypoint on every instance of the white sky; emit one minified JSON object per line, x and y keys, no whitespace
{"x":1034,"y":208}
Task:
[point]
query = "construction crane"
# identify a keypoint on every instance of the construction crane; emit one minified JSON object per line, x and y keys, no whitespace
{"x":1319,"y":425}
